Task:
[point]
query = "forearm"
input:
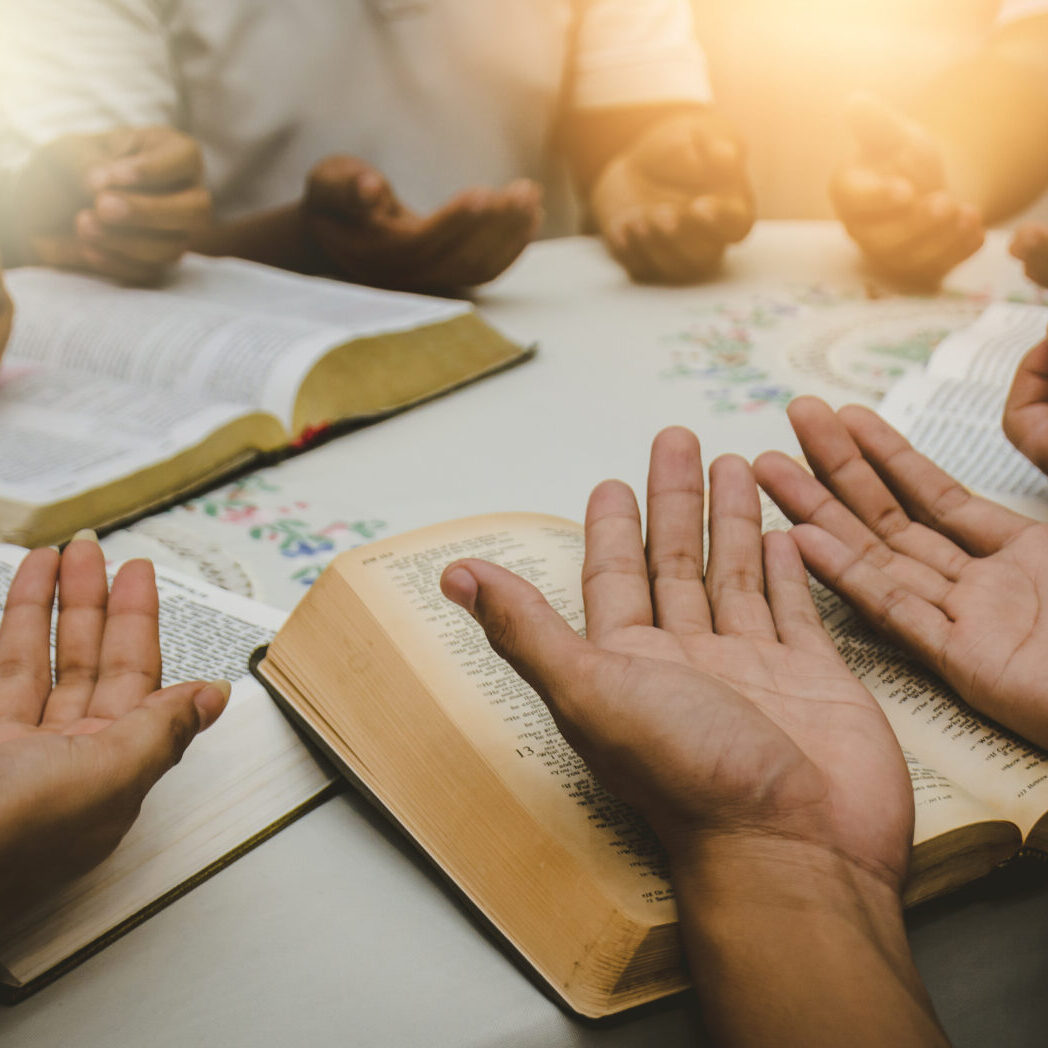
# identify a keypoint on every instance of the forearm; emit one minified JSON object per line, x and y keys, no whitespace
{"x":791,"y":946}
{"x":990,"y":117}
{"x":275,"y":238}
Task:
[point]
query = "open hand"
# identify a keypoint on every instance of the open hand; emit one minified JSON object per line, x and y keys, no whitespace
{"x":894,"y":202}
{"x":1030,"y":246}
{"x":716,"y":705}
{"x":957,"y":580}
{"x":670,"y":203}
{"x":79,"y":754}
{"x":361,"y":232}
{"x":122,"y":204}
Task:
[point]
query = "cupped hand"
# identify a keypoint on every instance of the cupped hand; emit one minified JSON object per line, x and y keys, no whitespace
{"x":361,"y":231}
{"x":669,"y":204}
{"x":894,"y":202}
{"x":1030,"y":246}
{"x":79,"y":753}
{"x":123,"y":204}
{"x":715,"y":703}
{"x":957,"y":580}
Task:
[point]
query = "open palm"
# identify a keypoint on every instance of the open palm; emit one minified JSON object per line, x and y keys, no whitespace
{"x":78,"y":754}
{"x":715,"y":703}
{"x":958,"y":580}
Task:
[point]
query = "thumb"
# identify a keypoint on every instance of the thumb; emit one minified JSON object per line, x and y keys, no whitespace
{"x":523,"y":629}
{"x":344,"y":186}
{"x":150,"y":739}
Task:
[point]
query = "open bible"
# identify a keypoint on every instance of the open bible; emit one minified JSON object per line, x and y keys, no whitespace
{"x":239,"y":782}
{"x":402,"y":690}
{"x":114,"y":400}
{"x":952,"y":410}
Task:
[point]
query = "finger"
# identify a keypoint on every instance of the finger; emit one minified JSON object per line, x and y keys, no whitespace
{"x":928,"y":493}
{"x":139,"y":247}
{"x":160,"y":158}
{"x":869,"y":516}
{"x":525,"y":631}
{"x":1026,"y":409}
{"x":151,"y":738}
{"x":675,"y":501}
{"x":345,"y":187}
{"x":615,"y":586}
{"x":735,"y":572}
{"x":630,"y":244}
{"x":25,"y":638}
{"x":723,"y":219}
{"x":863,"y":194}
{"x":911,"y":622}
{"x":666,"y":254}
{"x":1030,"y":239}
{"x":929,"y":261}
{"x":105,"y":263}
{"x":931,"y":219}
{"x":915,"y":556}
{"x":789,"y":597}
{"x":129,"y":664}
{"x":180,"y":211}
{"x":83,"y":593}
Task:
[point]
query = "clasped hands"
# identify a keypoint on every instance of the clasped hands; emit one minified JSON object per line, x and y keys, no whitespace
{"x":123,"y":204}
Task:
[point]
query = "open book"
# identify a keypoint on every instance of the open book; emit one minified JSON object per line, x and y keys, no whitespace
{"x":952,"y":411}
{"x":402,"y":690}
{"x":114,"y":400}
{"x":240,"y":781}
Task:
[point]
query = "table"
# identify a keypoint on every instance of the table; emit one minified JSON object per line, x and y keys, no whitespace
{"x":332,"y":931}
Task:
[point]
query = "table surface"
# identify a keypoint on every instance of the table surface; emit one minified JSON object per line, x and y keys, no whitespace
{"x":332,"y":931}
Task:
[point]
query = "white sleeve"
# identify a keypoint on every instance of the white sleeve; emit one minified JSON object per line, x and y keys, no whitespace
{"x":630,"y":53}
{"x":1013,"y":10}
{"x":80,"y":66}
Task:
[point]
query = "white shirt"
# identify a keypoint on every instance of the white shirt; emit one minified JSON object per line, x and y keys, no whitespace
{"x":438,"y":94}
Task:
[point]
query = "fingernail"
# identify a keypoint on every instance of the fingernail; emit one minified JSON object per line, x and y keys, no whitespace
{"x":224,"y":686}
{"x":85,"y":535}
{"x":208,"y":706}
{"x":460,"y":586}
{"x":111,"y":206}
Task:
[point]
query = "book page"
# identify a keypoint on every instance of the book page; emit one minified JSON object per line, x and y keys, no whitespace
{"x":963,"y":766}
{"x":62,"y":433}
{"x":221,"y":330}
{"x":490,"y":705}
{"x":952,"y":412}
{"x":1003,"y":771}
{"x":246,"y":772}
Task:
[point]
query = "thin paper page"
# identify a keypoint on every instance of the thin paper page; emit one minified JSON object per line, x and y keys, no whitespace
{"x":505,"y":719}
{"x":988,"y":351}
{"x":957,"y":423}
{"x":62,"y":433}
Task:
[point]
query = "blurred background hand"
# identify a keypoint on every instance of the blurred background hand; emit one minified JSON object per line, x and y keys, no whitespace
{"x":360,"y":231}
{"x":894,"y":201}
{"x":123,"y":204}
{"x":670,"y":202}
